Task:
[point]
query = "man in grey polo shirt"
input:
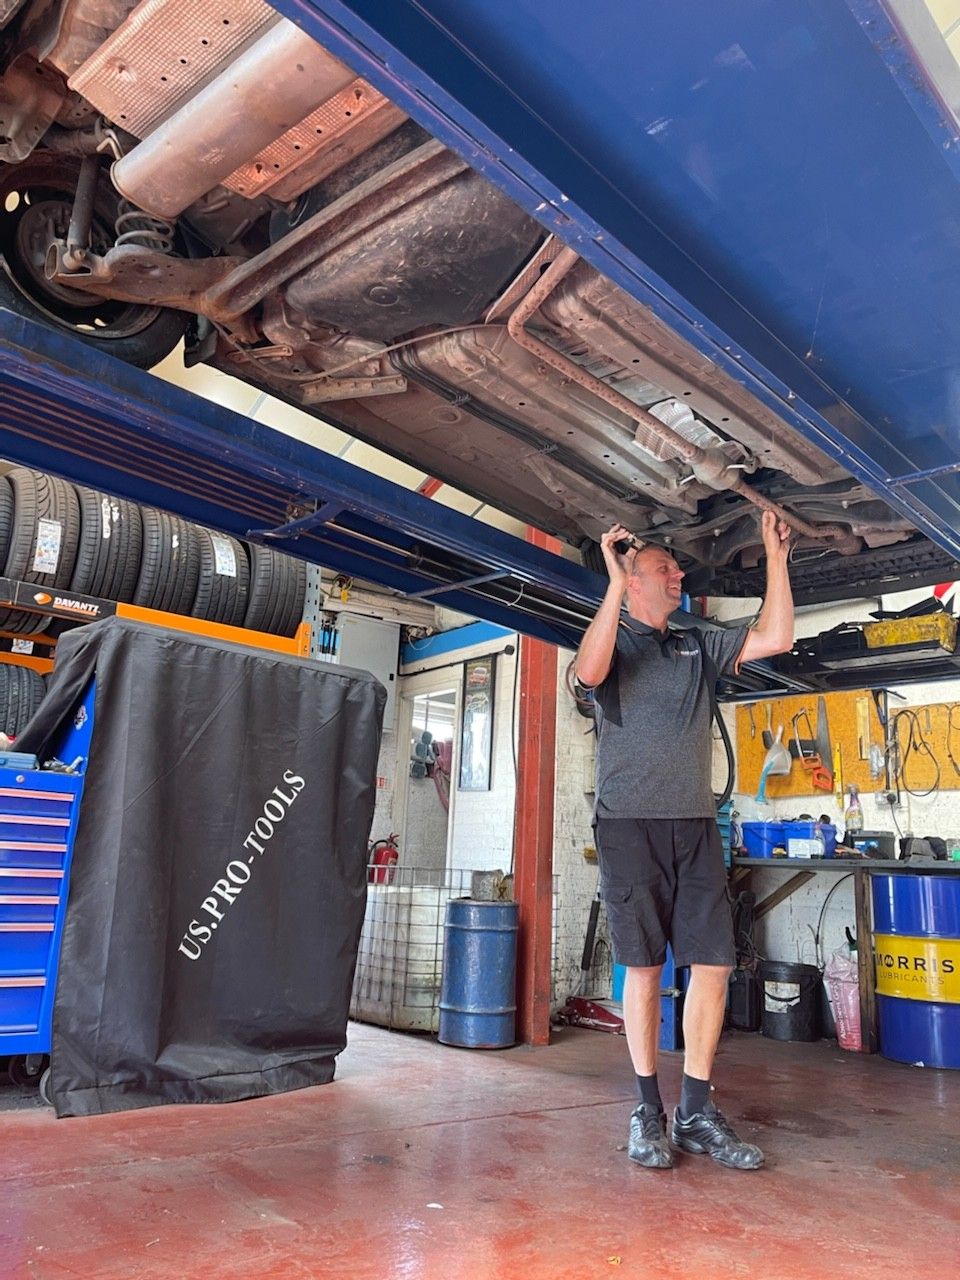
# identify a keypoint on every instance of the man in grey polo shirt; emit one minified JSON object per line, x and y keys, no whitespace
{"x":661,"y":862}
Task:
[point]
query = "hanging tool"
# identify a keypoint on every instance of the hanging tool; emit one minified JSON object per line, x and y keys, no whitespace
{"x":881,"y":700}
{"x":838,"y":773}
{"x":821,"y":778}
{"x":777,"y":763}
{"x":800,"y":747}
{"x":753,"y":723}
{"x":768,"y":731}
{"x":864,"y":741}
{"x":824,"y":749}
{"x":880,"y":705}
{"x":953,"y":724}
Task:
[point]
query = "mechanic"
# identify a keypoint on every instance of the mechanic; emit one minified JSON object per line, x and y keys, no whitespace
{"x":662,"y":871}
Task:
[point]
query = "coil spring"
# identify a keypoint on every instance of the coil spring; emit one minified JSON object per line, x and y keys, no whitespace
{"x":133,"y":226}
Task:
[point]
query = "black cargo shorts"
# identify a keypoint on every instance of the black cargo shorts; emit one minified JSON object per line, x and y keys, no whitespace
{"x":663,"y":880}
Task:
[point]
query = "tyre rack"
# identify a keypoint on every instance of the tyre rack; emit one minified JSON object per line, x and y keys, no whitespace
{"x":53,"y":603}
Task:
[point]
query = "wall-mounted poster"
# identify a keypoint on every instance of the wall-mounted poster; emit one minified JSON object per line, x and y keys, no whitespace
{"x":476,"y":735}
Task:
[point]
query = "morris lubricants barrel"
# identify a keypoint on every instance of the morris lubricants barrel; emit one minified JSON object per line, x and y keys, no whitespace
{"x":478,"y":1008}
{"x":916,"y":940}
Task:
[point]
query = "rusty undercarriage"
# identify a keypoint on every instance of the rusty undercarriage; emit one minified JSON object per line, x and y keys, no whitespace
{"x":186,"y":166}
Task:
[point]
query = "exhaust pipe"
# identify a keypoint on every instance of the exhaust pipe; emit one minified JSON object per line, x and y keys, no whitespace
{"x":707,"y":467}
{"x":277,"y":81}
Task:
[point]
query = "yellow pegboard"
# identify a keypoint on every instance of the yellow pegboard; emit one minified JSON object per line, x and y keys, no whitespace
{"x":933,"y":722}
{"x":848,"y":714}
{"x":853,"y":724}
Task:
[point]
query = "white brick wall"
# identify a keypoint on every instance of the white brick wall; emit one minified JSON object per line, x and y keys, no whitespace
{"x":383,"y":813}
{"x":575,"y":877}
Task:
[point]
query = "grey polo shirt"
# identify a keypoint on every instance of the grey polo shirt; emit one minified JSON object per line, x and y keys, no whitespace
{"x":654,"y":751}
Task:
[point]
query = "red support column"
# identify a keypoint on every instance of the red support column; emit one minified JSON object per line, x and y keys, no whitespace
{"x":533,"y":827}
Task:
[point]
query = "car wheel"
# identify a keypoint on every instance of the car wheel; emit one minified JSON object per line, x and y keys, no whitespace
{"x":36,"y":200}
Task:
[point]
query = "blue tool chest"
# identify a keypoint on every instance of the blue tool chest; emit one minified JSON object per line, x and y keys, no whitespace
{"x":39,"y":810}
{"x":38,"y":822}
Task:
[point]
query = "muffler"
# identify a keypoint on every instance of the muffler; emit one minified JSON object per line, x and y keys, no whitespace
{"x":277,"y":81}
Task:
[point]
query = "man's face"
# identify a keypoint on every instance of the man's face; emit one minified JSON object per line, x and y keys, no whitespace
{"x":654,"y":581}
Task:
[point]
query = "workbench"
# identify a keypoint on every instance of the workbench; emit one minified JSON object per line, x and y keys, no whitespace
{"x":804,"y":870}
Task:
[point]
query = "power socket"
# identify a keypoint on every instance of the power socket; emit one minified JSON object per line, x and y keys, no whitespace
{"x":890,"y":798}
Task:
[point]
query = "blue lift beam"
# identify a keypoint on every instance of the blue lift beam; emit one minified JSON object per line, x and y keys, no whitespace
{"x":72,"y":410}
{"x":778,"y":182}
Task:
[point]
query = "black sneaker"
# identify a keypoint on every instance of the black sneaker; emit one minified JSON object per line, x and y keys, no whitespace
{"x":648,"y":1138}
{"x":709,"y":1133}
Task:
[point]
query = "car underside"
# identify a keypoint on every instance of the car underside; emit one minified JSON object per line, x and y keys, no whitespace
{"x":190,"y":168}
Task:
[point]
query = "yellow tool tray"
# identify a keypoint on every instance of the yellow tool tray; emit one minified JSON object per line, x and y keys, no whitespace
{"x":932,"y":626}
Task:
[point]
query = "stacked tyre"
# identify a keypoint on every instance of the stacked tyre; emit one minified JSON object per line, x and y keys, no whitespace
{"x":278,"y":588}
{"x":186,"y":568}
{"x":39,"y":535}
{"x":110,"y":547}
{"x":71,"y":538}
{"x":21,"y":691}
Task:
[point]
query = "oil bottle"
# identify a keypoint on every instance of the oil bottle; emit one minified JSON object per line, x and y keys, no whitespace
{"x":852,"y":815}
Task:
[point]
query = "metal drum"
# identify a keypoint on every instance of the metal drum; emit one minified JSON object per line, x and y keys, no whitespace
{"x":917,"y":953}
{"x":478,"y":1008}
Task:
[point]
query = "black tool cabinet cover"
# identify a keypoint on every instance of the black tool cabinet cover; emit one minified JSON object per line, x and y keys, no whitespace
{"x":218,"y":881}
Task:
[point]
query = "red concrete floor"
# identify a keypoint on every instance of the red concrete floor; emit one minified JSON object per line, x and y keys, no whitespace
{"x":425,"y":1161}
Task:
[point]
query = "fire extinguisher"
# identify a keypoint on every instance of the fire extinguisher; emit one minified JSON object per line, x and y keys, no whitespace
{"x":382,"y":859}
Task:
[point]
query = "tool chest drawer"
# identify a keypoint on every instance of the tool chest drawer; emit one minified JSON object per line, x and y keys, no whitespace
{"x":20,"y":1004}
{"x":25,"y":949}
{"x":19,"y":831}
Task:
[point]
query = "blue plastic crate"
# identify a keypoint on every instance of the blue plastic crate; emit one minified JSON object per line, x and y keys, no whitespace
{"x":761,"y":838}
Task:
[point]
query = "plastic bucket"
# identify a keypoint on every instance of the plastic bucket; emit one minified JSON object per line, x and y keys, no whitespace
{"x":791,"y":1000}
{"x":478,"y":1007}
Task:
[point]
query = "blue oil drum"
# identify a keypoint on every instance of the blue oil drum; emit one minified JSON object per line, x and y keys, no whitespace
{"x":916,"y":939}
{"x":478,"y":1002}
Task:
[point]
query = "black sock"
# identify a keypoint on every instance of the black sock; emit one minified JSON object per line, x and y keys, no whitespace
{"x":649,"y":1091}
{"x":694,"y":1095}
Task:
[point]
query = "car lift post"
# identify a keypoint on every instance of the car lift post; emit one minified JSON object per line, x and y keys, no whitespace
{"x":533,"y":827}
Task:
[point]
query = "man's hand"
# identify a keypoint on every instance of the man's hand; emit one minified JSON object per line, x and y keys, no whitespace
{"x":618,"y":566}
{"x":776,"y":537}
{"x":774,"y":630}
{"x":595,"y":655}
